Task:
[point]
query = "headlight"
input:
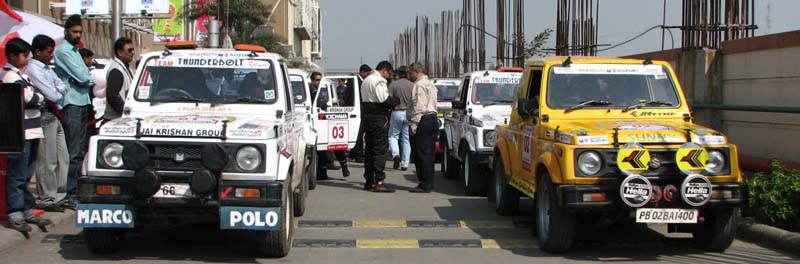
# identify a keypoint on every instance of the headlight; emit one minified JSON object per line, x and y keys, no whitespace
{"x":248,"y":158}
{"x":590,"y":163}
{"x":489,"y":138}
{"x":112,"y":155}
{"x":716,"y":162}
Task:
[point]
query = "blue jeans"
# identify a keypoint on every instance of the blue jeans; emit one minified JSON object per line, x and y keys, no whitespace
{"x":20,"y":170}
{"x":75,"y":118}
{"x":398,"y":135}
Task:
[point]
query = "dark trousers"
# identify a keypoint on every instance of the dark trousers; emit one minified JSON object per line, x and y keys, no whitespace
{"x":20,"y":170}
{"x":358,"y":149}
{"x":424,"y":142}
{"x":326,"y":157}
{"x":376,"y":127}
{"x":76,"y":132}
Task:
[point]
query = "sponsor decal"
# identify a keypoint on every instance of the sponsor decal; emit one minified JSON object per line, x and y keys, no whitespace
{"x":191,"y":109}
{"x":691,"y":158}
{"x":269,"y":94}
{"x":643,"y":127}
{"x":338,"y":133}
{"x":655,"y":138}
{"x":638,"y":113}
{"x":633,"y":158}
{"x":252,"y":218}
{"x":593,"y":140}
{"x":696,"y":190}
{"x":526,"y":148}
{"x":564,"y":137}
{"x":340,"y":109}
{"x":635,"y":190}
{"x":613,"y":69}
{"x":181,"y":132}
{"x":498,"y":79}
{"x":247,"y":133}
{"x":104,"y":215}
{"x":333,"y":116}
{"x":710,"y":140}
{"x":143,"y":92}
{"x":206,"y":62}
{"x":118,"y":129}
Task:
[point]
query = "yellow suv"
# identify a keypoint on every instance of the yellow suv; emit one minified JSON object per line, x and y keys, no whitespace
{"x":603,"y":140}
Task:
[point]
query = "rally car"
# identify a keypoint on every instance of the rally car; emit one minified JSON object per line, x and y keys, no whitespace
{"x":445,"y":94}
{"x":303,"y":104}
{"x":599,"y":140}
{"x":207,"y":135}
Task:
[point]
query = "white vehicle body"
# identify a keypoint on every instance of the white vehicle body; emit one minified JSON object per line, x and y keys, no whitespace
{"x":483,"y":101}
{"x":210,"y":129}
{"x":446,"y":90}
{"x":337,"y":112}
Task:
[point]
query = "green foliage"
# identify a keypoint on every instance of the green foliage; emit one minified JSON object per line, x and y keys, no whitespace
{"x":775,"y":196}
{"x":535,"y":48}
{"x":238,"y":14}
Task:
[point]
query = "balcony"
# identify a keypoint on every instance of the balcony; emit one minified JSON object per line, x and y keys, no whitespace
{"x":306,"y":24}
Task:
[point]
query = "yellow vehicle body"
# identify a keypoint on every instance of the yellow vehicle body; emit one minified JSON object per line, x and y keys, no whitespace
{"x":545,"y":139}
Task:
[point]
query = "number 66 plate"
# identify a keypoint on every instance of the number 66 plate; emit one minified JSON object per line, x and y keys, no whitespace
{"x":174,"y":190}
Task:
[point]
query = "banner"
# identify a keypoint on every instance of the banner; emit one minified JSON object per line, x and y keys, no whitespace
{"x":149,"y":6}
{"x":92,"y":7}
{"x":172,"y":28}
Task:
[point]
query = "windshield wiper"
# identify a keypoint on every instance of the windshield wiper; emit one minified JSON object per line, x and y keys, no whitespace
{"x":498,"y":102}
{"x":246,"y":100}
{"x":646,"y":103}
{"x":587,"y":103}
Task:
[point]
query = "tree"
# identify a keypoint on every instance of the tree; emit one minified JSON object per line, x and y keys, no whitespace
{"x":535,"y":48}
{"x":242,"y":17}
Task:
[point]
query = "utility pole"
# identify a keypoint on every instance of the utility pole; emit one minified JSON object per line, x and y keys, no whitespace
{"x":116,"y":21}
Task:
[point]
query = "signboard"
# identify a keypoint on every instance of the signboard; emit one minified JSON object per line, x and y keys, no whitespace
{"x":149,"y":6}
{"x":12,"y":136}
{"x":92,"y":7}
{"x":172,"y":28}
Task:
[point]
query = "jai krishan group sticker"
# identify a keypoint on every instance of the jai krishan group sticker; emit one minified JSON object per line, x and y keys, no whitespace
{"x":691,"y":158}
{"x":633,"y":158}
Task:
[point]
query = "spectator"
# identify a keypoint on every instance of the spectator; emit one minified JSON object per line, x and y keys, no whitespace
{"x":72,"y":70}
{"x":53,"y":159}
{"x":99,"y":89}
{"x":118,"y":78}
{"x":424,"y":126}
{"x":398,"y":128}
{"x":20,"y":166}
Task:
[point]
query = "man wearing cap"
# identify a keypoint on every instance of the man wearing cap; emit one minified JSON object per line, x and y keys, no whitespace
{"x":71,"y":69}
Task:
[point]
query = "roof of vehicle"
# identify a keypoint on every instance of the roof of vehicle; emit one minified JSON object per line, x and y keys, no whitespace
{"x":539,"y":61}
{"x":298,"y":72}
{"x":446,"y":81}
{"x":212,"y":53}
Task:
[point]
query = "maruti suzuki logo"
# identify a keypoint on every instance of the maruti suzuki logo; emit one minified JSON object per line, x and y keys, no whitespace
{"x":180,"y":157}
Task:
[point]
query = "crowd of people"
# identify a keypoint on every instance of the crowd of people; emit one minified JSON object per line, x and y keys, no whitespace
{"x":59,"y":88}
{"x":398,"y":117}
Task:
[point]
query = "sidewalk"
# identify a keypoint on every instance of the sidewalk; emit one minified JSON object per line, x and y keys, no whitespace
{"x":10,"y":238}
{"x":769,"y":236}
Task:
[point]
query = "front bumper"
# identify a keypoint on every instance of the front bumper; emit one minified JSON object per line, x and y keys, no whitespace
{"x":572,"y":197}
{"x":484,"y":157}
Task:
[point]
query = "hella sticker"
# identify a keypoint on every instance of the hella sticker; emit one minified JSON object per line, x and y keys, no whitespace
{"x":104,"y":215}
{"x":252,"y":218}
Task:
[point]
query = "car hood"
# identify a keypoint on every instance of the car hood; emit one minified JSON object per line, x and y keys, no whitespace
{"x":193,"y":126}
{"x":631,"y":131}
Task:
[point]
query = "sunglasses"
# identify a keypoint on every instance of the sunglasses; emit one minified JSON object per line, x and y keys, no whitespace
{"x":131,"y":50}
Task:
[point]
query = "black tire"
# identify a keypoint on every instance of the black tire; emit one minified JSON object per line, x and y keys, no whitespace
{"x":104,"y":240}
{"x":299,"y":199}
{"x":504,"y":196}
{"x":311,"y":171}
{"x":277,"y":243}
{"x":450,"y":165}
{"x":719,"y":230}
{"x":555,"y":226}
{"x":473,"y":176}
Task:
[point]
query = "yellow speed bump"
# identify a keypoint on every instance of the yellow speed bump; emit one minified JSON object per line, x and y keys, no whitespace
{"x":379,"y":224}
{"x":387,"y":243}
{"x":508,"y":243}
{"x":487,"y":224}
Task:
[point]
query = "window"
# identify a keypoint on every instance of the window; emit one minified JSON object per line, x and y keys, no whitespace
{"x":620,"y":84}
{"x":463,"y":91}
{"x":535,"y":84}
{"x":298,"y":89}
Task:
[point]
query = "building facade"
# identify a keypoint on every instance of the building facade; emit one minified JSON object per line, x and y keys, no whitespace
{"x":298,"y":23}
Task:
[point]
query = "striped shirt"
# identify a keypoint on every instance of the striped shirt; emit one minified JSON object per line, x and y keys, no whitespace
{"x":33,"y":101}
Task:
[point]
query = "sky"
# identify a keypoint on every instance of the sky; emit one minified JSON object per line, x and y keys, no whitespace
{"x":363,"y":31}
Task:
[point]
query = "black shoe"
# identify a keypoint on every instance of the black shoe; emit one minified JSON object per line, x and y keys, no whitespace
{"x":333,"y":166}
{"x":345,"y":171}
{"x":381,"y":188}
{"x":322,"y":178}
{"x":369,"y":186}
{"x":404,"y":168}
{"x":420,"y":189}
{"x":57,"y":208}
{"x":396,"y":162}
{"x":68,"y":204}
{"x":39,"y":221}
{"x":20,"y":226}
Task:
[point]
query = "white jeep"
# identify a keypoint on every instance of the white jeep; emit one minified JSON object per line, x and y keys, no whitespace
{"x":445,"y":95}
{"x":207,"y":135}
{"x":483,"y":101}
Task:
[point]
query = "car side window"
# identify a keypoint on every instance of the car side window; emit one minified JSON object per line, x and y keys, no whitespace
{"x":463,"y":91}
{"x":535,"y":84}
{"x":287,"y":88}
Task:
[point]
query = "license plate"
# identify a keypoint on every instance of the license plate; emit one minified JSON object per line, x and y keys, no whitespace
{"x":174,"y":190}
{"x":104,"y":215}
{"x":251,"y":218}
{"x":666,"y":215}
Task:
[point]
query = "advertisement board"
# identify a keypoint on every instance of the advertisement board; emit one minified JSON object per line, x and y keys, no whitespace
{"x":172,"y":28}
{"x":92,"y":7}
{"x":149,"y":6}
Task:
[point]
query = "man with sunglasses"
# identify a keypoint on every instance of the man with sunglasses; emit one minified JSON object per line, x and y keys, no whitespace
{"x":118,"y":78}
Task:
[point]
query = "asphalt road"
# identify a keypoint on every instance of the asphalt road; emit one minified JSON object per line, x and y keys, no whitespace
{"x":344,"y":224}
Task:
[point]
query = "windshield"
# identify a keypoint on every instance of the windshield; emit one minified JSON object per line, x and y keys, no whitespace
{"x":494,"y":90}
{"x":621,"y":85}
{"x":298,"y":89}
{"x":446,"y":93}
{"x":193,"y":80}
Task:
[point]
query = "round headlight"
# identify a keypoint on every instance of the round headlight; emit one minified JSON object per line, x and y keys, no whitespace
{"x":248,"y":158}
{"x":716,"y":162}
{"x":112,"y":155}
{"x":590,"y":163}
{"x":489,"y":138}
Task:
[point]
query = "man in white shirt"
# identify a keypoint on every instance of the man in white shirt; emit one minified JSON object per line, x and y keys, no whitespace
{"x":424,"y":126}
{"x":376,"y":104}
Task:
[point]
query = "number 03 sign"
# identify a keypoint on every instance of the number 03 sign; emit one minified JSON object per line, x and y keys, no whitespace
{"x":338,"y":135}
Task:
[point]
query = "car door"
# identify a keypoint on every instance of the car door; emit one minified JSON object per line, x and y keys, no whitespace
{"x":323,"y":101}
{"x":528,"y":133}
{"x":460,"y":115}
{"x":343,"y":118}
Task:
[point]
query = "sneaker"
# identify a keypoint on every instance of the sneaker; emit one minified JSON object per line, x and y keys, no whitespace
{"x":396,"y":162}
{"x":20,"y":226}
{"x":39,"y":221}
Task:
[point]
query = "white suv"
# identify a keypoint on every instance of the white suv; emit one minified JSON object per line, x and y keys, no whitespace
{"x":483,"y":101}
{"x":207,"y":135}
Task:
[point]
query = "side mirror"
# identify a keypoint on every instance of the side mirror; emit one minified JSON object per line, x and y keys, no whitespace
{"x":527,"y":108}
{"x":457,"y":104}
